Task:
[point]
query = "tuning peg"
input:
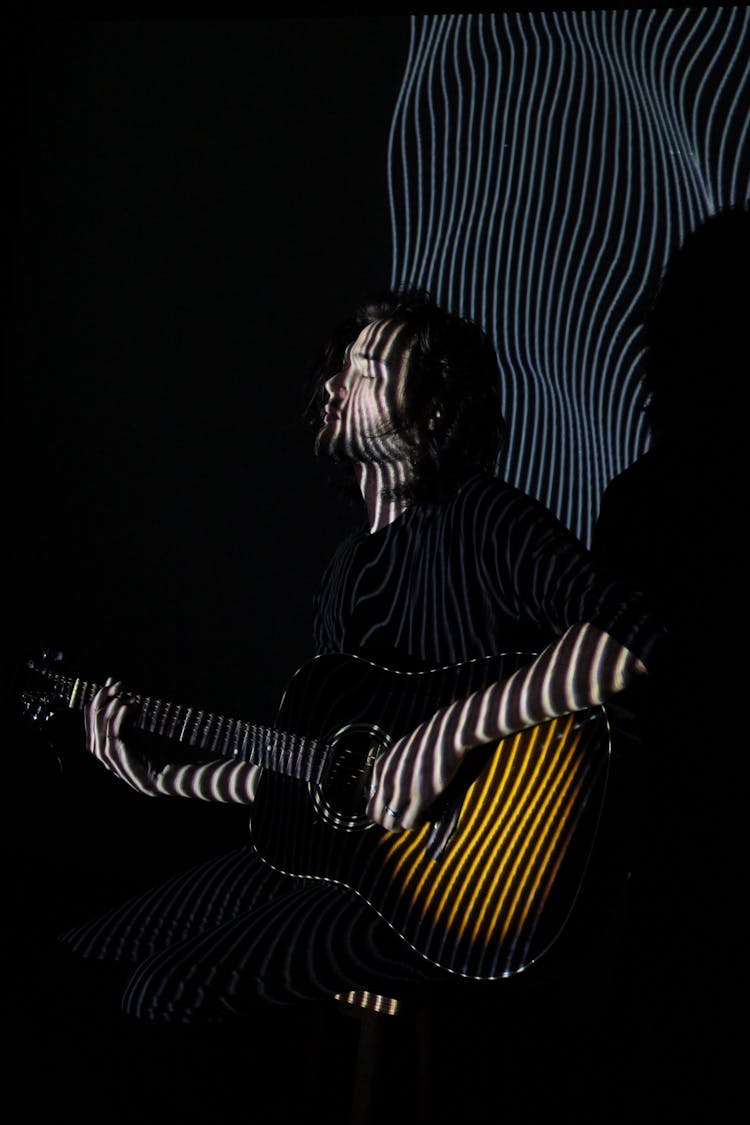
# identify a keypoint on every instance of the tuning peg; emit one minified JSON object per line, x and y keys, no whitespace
{"x":46,"y":657}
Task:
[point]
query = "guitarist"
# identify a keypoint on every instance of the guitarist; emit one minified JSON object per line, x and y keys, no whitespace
{"x":452,"y":564}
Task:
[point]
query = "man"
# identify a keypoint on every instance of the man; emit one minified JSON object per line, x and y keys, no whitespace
{"x":453,"y":565}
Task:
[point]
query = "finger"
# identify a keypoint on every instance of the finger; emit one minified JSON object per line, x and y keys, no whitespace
{"x":386,"y":820}
{"x":411,"y":818}
{"x":94,"y":713}
{"x":123,"y":708}
{"x":392,"y":794}
{"x":382,"y":807}
{"x":102,"y":719}
{"x":99,"y":698}
{"x":103,"y":696}
{"x":391,"y":816}
{"x":381,"y":812}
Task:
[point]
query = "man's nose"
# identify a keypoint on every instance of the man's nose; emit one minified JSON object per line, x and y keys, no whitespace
{"x":336,"y":386}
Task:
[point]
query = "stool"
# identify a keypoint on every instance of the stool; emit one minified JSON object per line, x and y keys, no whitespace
{"x":378,"y":1016}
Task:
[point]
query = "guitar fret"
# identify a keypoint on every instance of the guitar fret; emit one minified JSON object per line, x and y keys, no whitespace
{"x":281,"y":751}
{"x":176,"y":721}
{"x":75,"y":691}
{"x":185,"y":721}
{"x":240,"y":747}
{"x":218,"y":725}
{"x":166,"y":725}
{"x":218,"y":729}
{"x":197,"y":723}
{"x":157,"y":717}
{"x":228,"y":739}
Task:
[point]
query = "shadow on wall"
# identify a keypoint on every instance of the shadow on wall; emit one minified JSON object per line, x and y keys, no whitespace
{"x":672,"y":520}
{"x":674,"y":523}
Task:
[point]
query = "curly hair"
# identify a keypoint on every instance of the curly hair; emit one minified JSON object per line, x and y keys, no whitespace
{"x":453,"y":422}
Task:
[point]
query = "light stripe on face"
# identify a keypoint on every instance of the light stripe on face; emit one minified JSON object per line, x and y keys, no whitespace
{"x":364,"y":407}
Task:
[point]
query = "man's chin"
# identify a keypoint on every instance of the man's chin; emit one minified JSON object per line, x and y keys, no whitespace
{"x":325,"y":444}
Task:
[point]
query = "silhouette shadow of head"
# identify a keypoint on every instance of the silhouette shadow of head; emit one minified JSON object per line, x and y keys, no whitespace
{"x":696,"y":338}
{"x":670,"y":522}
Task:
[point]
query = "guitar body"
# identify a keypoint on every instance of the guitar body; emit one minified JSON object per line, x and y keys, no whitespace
{"x":487,"y":885}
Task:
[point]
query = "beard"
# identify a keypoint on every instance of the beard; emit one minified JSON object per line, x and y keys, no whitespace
{"x":383,"y":449}
{"x":327,"y":439}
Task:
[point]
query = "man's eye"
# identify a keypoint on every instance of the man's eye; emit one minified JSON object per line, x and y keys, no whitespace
{"x":375,"y":367}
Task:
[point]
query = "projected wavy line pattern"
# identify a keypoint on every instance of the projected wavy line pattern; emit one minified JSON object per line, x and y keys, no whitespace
{"x":541,"y":168}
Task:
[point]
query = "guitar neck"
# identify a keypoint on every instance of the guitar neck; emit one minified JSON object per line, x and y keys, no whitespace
{"x":282,"y":752}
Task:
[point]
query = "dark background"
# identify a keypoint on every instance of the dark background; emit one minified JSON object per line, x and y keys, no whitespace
{"x":198,"y":202}
{"x":192,"y":205}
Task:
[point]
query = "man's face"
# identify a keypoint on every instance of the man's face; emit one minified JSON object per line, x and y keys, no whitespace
{"x":364,"y":407}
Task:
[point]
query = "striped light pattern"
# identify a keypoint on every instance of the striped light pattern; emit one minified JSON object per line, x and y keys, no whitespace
{"x":542,"y":166}
{"x":484,"y":889}
{"x":478,"y":910}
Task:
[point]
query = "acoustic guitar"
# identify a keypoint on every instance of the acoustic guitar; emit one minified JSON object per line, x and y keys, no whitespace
{"x":487,"y":884}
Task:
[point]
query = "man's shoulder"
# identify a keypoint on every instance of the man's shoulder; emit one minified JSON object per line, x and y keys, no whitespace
{"x":482,"y":487}
{"x":492,"y":493}
{"x":494,"y":508}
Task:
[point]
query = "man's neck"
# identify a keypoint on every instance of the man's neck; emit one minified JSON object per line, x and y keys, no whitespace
{"x":375,"y":478}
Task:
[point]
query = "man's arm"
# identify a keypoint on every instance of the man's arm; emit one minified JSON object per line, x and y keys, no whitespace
{"x":585,"y":667}
{"x":229,"y":782}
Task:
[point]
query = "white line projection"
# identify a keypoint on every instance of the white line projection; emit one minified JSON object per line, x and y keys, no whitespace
{"x":541,"y":168}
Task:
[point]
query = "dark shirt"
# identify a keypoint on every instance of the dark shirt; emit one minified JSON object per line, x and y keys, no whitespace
{"x":489,"y":571}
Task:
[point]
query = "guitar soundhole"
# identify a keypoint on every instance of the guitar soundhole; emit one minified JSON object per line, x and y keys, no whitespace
{"x":341,"y":795}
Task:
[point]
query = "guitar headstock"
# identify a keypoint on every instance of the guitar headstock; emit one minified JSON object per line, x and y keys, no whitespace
{"x":42,"y":719}
{"x":37,"y":694}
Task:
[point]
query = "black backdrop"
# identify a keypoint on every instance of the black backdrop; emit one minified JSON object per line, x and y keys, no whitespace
{"x":197,"y":202}
{"x":192,"y":205}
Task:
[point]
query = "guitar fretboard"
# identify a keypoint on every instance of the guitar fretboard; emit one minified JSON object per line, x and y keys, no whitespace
{"x":284,"y":752}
